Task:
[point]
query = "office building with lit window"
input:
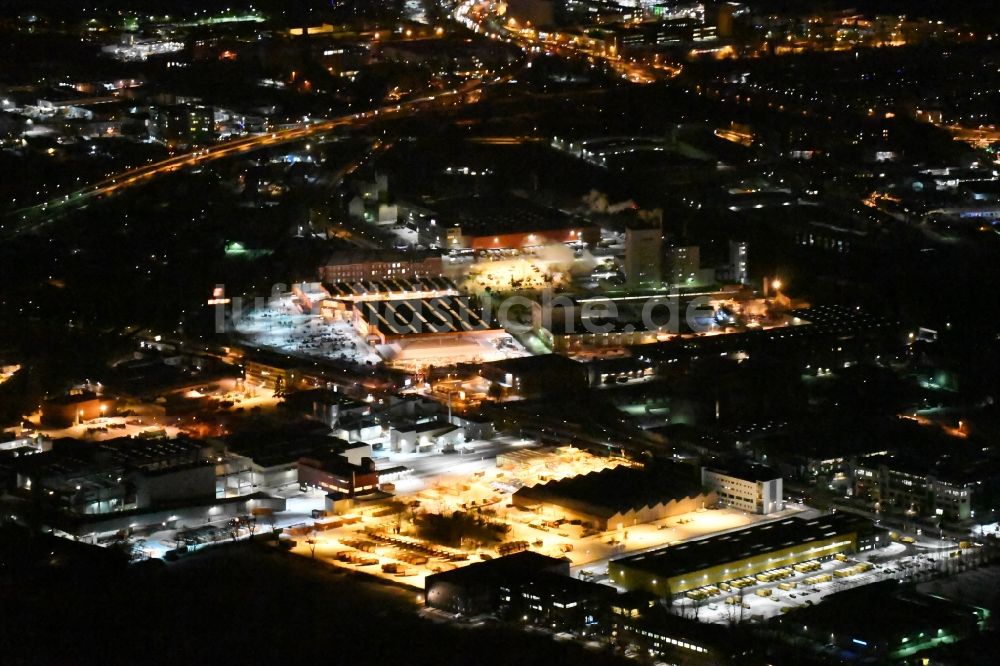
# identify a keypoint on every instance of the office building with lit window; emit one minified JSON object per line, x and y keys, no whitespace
{"x":752,"y":488}
{"x":182,"y":124}
{"x":946,"y":488}
{"x":738,"y":262}
{"x":357,"y":265}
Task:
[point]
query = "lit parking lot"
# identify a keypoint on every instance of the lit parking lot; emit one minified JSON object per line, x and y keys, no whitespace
{"x":465,"y":347}
{"x":764,"y":600}
{"x":282,"y":326}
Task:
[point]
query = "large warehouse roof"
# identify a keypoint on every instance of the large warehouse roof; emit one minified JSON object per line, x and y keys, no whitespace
{"x":491,"y":215}
{"x":714,"y":551}
{"x":422,"y":316}
{"x":615,"y":490}
{"x":518,"y":566}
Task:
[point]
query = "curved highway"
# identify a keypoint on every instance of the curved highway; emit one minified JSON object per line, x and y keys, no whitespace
{"x":34,"y":217}
{"x":470,"y":13}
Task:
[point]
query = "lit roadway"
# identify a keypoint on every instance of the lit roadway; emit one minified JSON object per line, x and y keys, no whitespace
{"x":468,"y":458}
{"x":981,"y":137}
{"x":145,"y":173}
{"x":594,"y":434}
{"x":34,"y":217}
{"x":474,"y":15}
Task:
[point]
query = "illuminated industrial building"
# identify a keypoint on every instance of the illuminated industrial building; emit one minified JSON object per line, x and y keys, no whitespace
{"x":908,"y":622}
{"x":77,"y":407}
{"x":693,"y":564}
{"x":478,"y":588}
{"x":336,"y":474}
{"x":750,"y":488}
{"x":384,"y":321}
{"x":392,"y":289}
{"x":355,"y":265}
{"x":488,"y":223}
{"x":119,"y":475}
{"x":617,"y":498}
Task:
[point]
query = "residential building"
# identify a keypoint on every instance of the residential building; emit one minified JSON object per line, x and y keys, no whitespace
{"x":643,"y":256}
{"x":684,"y":265}
{"x":182,"y":124}
{"x":738,"y":261}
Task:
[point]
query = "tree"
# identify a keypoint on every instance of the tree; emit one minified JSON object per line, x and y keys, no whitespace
{"x":234,"y":529}
{"x":312,"y":543}
{"x":731,"y":615}
{"x":138,"y":551}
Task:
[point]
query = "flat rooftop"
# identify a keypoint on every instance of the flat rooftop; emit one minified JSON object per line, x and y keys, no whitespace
{"x":74,"y":398}
{"x":495,"y":215}
{"x":325,"y":397}
{"x":820,"y":323}
{"x":540,"y":364}
{"x":70,"y":458}
{"x":519,"y":566}
{"x":900,"y":613}
{"x":746,"y":472}
{"x":271,"y":446}
{"x":358,"y":256}
{"x":714,"y":551}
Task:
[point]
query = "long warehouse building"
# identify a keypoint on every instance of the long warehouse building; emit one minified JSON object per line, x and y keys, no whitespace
{"x":747,"y":552}
{"x":619,"y":497}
